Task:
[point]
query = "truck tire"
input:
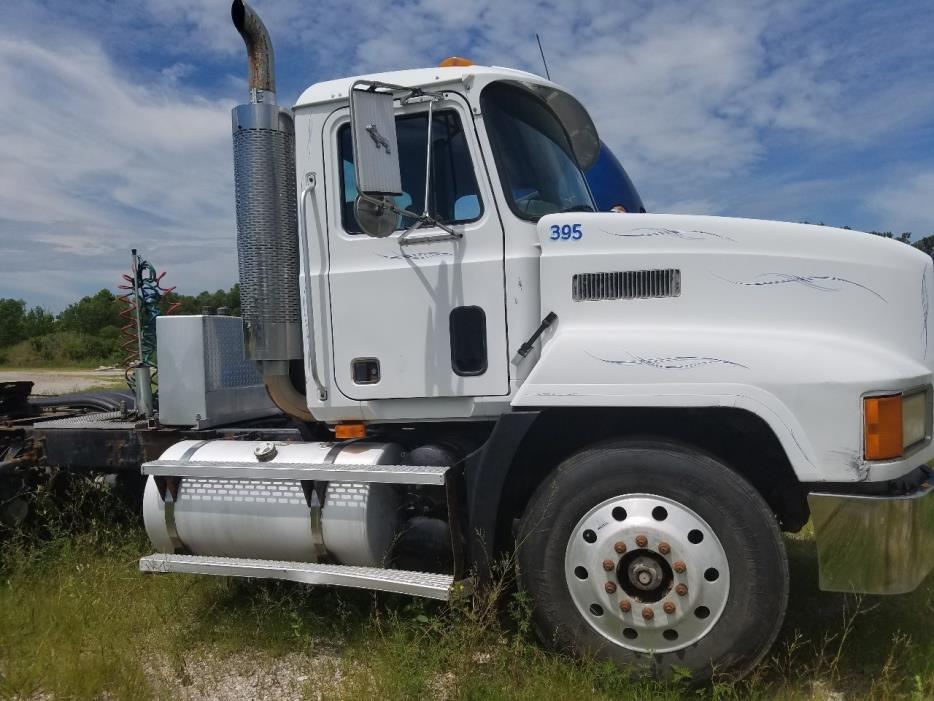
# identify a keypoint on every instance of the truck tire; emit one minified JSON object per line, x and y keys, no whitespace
{"x":654,"y":556}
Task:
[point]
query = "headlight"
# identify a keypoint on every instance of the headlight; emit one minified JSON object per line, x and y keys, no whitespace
{"x":893,"y":423}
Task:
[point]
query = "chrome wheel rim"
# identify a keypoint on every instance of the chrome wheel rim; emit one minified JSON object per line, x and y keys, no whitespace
{"x":647,"y":573}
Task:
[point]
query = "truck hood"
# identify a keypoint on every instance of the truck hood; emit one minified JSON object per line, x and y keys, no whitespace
{"x":768,"y":275}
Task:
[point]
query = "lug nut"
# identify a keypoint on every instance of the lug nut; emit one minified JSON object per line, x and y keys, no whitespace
{"x":608,"y":565}
{"x":679,"y":566}
{"x":648,"y":614}
{"x":641,"y":541}
{"x":681,"y":590}
{"x":625,"y":606}
{"x":668,"y":608}
{"x":619,"y":547}
{"x":610,"y":588}
{"x":664,"y":548}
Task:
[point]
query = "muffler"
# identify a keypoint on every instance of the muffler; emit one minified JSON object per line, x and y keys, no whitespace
{"x":267,"y":226}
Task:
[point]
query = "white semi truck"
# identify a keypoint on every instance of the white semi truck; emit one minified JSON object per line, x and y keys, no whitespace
{"x":636,"y":404}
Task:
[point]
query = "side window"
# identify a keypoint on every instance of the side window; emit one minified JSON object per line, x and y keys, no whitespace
{"x":455,"y":198}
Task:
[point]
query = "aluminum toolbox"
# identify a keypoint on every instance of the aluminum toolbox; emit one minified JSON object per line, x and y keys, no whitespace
{"x":204,"y":377}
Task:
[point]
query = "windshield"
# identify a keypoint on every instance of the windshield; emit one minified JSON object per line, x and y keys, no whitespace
{"x":533,"y":154}
{"x":610,"y":184}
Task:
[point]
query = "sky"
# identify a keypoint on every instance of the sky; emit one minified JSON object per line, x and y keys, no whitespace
{"x":115,"y":117}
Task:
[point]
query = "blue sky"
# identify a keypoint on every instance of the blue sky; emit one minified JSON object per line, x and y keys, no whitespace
{"x":114,"y":127}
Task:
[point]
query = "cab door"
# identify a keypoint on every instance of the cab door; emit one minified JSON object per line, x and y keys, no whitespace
{"x":424,"y":319}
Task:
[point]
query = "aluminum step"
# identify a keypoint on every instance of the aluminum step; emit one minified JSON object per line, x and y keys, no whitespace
{"x":431,"y":586}
{"x":392,"y":474}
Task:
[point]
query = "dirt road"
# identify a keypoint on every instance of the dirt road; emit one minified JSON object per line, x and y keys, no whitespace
{"x":65,"y":381}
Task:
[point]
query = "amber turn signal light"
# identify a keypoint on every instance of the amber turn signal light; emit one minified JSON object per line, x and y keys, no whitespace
{"x":883,"y":427}
{"x":452,"y":61}
{"x":343,"y":432}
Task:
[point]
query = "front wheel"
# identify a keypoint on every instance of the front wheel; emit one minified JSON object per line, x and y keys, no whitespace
{"x":654,"y":556}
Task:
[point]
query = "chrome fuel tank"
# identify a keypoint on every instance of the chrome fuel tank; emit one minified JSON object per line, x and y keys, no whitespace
{"x":274,"y":519}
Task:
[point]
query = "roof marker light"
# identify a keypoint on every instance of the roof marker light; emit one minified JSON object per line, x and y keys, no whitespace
{"x":452,"y":61}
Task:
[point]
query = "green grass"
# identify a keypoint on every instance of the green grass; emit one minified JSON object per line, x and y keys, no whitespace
{"x":78,"y":621}
{"x":63,"y":348}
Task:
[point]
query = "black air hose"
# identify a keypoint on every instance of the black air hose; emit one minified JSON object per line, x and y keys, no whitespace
{"x":101,"y":401}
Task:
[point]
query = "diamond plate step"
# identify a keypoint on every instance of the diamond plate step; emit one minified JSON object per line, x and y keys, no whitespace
{"x":431,"y":586}
{"x":392,"y":474}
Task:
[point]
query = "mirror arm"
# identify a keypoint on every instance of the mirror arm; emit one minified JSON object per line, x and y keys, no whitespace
{"x":431,"y":104}
{"x":450,"y":234}
{"x":420,"y":221}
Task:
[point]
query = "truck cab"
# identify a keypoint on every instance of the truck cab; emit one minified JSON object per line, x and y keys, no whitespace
{"x":410,"y":327}
{"x":635,"y":404}
{"x":651,"y":309}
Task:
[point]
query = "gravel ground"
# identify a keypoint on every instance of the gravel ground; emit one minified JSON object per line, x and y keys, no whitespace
{"x":241,"y":677}
{"x":238,"y":677}
{"x":66,"y":381}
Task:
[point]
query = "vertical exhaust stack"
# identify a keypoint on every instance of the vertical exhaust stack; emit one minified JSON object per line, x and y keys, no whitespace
{"x":267,"y":227}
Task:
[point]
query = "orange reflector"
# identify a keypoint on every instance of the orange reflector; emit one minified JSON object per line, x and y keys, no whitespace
{"x":343,"y":432}
{"x":883,"y":430}
{"x":451,"y":61}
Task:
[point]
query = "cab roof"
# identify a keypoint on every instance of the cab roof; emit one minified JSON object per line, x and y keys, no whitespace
{"x":577,"y":122}
{"x":332,"y":90}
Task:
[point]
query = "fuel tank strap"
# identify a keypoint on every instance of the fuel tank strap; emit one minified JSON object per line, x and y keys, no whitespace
{"x":168,"y":490}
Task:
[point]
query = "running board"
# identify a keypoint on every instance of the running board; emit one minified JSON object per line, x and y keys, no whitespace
{"x":391,"y":474}
{"x":431,"y":586}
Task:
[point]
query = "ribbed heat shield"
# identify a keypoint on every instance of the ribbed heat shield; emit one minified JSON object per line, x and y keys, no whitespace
{"x":629,"y":284}
{"x":267,"y":234}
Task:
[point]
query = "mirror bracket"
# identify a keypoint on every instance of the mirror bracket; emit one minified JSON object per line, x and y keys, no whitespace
{"x":449,"y":235}
{"x":380,"y":201}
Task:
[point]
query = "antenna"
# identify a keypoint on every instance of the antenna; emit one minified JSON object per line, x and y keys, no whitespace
{"x":542,"y":51}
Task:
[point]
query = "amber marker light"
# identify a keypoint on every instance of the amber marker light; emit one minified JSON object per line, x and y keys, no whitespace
{"x":343,"y":432}
{"x":883,"y":427}
{"x":452,"y":61}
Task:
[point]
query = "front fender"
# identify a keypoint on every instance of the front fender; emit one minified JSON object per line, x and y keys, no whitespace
{"x":807,"y":387}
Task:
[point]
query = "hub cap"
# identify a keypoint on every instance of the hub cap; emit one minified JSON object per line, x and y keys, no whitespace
{"x":669,"y":580}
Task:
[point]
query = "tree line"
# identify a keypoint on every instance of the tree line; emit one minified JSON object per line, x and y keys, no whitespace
{"x":86,"y":332}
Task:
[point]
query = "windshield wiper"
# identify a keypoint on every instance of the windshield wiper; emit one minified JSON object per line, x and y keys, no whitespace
{"x":579,"y":208}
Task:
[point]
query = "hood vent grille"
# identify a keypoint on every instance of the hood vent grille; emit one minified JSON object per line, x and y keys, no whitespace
{"x":629,"y":284}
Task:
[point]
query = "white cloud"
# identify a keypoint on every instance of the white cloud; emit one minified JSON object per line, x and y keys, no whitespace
{"x":749,"y":107}
{"x":176,"y":72}
{"x":95,"y":164}
{"x":907,"y":204}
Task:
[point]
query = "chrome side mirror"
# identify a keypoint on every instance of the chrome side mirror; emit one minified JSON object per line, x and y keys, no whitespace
{"x":376,"y":217}
{"x":376,"y":158}
{"x":376,"y":162}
